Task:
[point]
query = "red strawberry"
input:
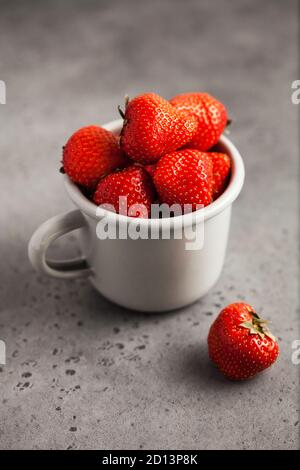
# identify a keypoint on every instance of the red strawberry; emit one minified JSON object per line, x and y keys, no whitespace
{"x":153,"y":127}
{"x":133,"y":182}
{"x":221,"y":170}
{"x":91,"y":153}
{"x":211,"y":113}
{"x":240,"y":344}
{"x":184,"y":177}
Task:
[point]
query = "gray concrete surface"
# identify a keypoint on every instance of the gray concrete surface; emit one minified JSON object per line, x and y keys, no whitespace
{"x":80,"y":372}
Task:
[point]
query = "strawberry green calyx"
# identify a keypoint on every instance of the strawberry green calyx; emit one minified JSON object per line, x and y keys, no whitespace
{"x":258,"y":326}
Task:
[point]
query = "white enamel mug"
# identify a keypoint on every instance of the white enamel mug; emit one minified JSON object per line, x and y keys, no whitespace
{"x":150,"y":275}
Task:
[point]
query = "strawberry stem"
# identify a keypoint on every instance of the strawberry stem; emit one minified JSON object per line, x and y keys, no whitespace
{"x":121,"y":112}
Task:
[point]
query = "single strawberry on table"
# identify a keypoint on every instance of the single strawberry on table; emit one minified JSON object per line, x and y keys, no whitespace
{"x":240,"y":344}
{"x":211,"y":114}
{"x":185,"y":177}
{"x":90,"y":153}
{"x":153,"y":127}
{"x":133,"y":182}
{"x":221,"y":172}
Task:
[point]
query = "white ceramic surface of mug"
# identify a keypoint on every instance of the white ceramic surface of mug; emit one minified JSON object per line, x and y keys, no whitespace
{"x":150,"y":275}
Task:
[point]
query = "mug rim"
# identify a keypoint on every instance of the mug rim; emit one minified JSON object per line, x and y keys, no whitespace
{"x":222,"y":202}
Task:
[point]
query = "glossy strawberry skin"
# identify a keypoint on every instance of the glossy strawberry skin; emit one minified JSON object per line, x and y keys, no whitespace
{"x":211,"y":114}
{"x":133,"y":182}
{"x":238,"y":353}
{"x":184,"y":177}
{"x":91,"y":153}
{"x":153,"y":127}
{"x":221,"y":172}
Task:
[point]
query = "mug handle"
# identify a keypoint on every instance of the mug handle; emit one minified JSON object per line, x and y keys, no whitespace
{"x":45,"y":235}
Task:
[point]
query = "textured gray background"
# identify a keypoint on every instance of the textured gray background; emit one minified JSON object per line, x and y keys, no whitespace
{"x":145,"y":381}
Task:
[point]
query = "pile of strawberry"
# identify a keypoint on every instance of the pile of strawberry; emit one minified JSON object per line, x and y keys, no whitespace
{"x":164,"y":154}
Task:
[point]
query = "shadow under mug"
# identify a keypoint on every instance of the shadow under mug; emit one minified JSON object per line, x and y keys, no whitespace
{"x":150,"y":275}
